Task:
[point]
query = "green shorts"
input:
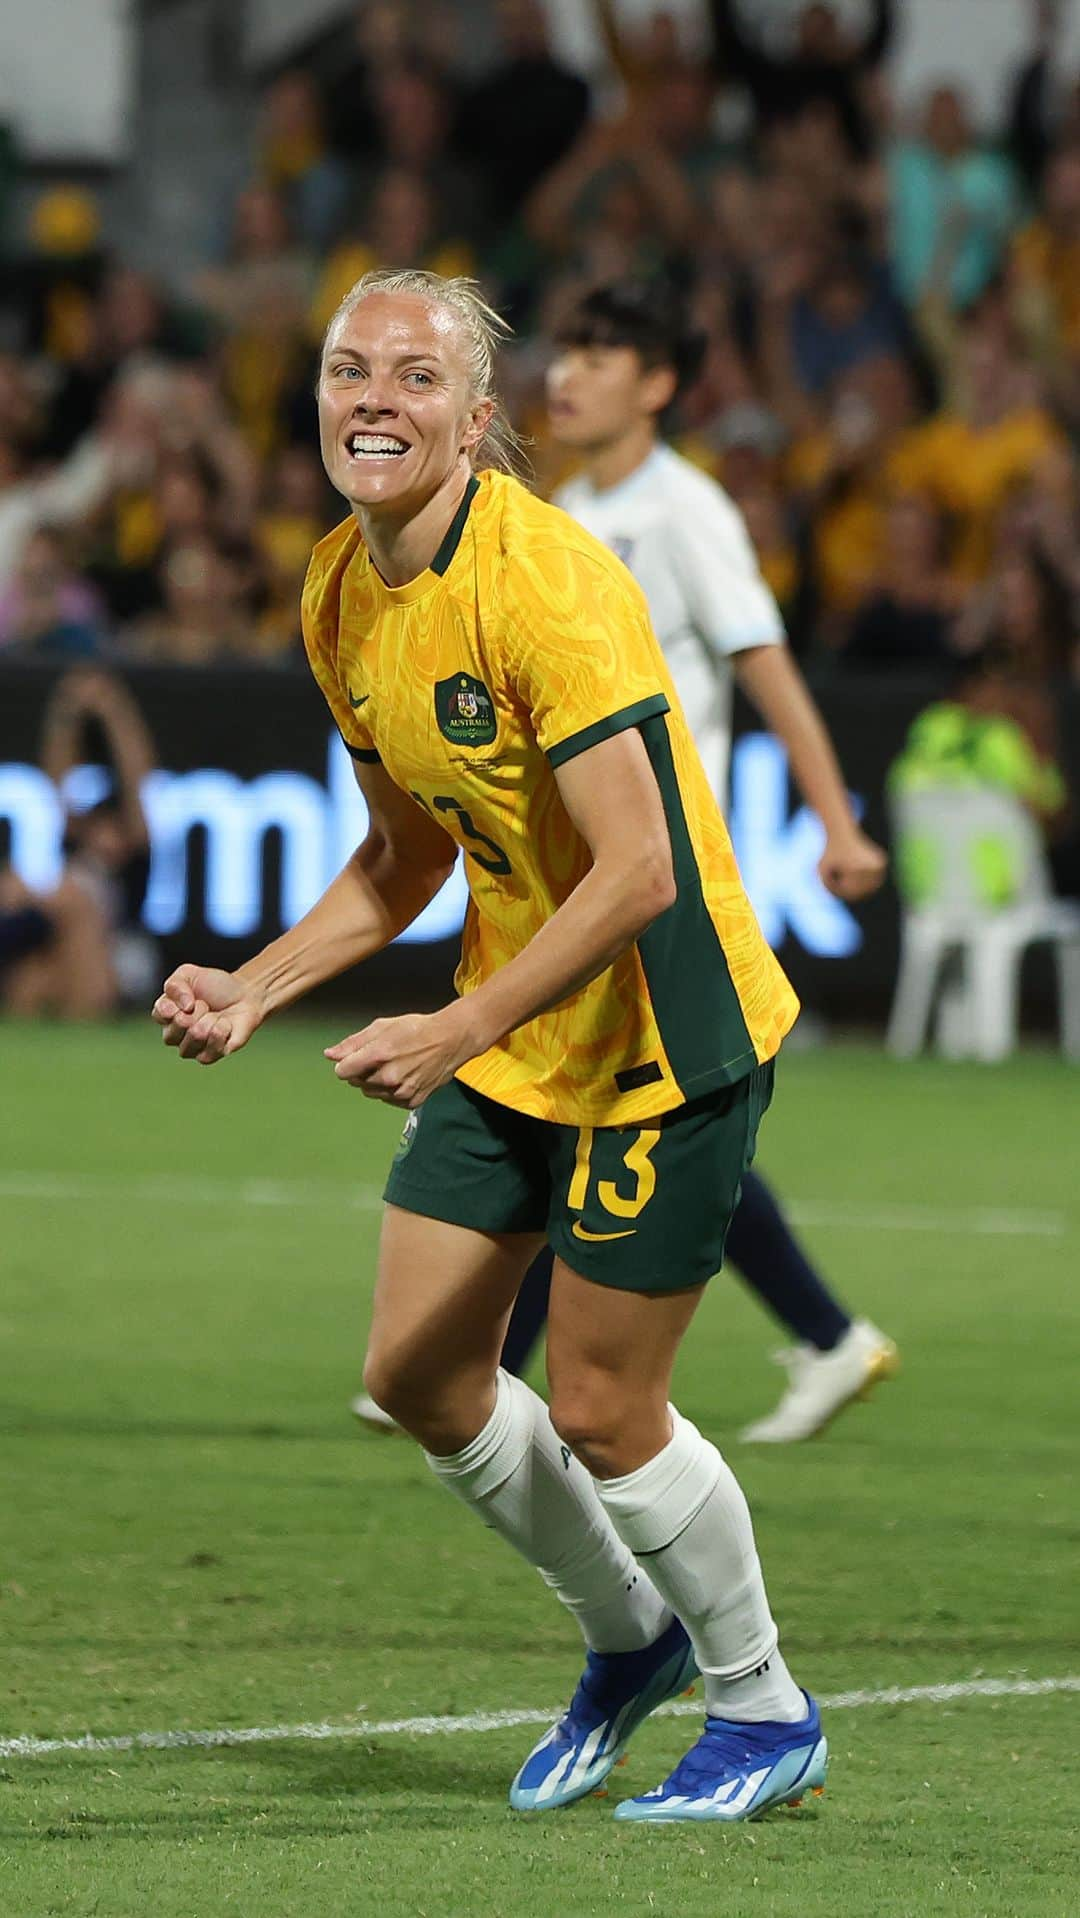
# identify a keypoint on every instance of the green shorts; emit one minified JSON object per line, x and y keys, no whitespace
{"x":642,"y":1208}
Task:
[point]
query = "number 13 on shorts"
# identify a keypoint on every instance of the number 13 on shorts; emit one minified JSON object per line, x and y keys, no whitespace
{"x":622,"y":1197}
{"x":647,"y":1210}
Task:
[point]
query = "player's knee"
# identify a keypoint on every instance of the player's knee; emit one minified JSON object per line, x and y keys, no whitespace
{"x":392,"y":1380}
{"x":428,"y":1399}
{"x":590,"y":1422}
{"x":409,"y":1389}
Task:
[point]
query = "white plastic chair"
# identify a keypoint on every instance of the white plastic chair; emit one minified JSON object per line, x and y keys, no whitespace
{"x":979,"y":1018}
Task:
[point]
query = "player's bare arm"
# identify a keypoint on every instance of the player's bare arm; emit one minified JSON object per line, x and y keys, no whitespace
{"x":405,"y":857}
{"x":852,"y":866}
{"x":612,"y":798}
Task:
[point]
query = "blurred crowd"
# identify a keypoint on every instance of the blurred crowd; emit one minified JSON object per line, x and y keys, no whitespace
{"x":891,"y":390}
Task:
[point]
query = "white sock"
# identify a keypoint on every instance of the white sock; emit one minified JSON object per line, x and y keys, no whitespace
{"x":528,"y":1487}
{"x":684,"y":1517}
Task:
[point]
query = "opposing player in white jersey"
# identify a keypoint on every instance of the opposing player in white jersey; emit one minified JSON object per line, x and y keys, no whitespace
{"x":623,"y":353}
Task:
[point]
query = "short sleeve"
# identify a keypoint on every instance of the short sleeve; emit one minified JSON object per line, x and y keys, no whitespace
{"x":581,"y":654}
{"x":731,"y":605}
{"x":319,"y":627}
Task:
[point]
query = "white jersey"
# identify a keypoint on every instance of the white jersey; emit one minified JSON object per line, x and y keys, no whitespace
{"x":687,"y":546}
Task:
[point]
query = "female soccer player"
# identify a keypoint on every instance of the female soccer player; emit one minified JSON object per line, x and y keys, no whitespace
{"x":598,"y":1082}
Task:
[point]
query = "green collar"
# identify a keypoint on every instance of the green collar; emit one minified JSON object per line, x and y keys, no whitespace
{"x":455,"y":529}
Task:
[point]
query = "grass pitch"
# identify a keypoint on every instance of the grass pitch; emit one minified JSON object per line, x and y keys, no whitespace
{"x":193,"y":1534}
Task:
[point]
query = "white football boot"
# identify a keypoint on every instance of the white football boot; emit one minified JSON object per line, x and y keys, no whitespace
{"x":820,"y":1384}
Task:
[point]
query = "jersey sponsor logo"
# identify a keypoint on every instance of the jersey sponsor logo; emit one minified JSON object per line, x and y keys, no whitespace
{"x":354,"y":702}
{"x":599,"y":1238}
{"x":465,"y":711}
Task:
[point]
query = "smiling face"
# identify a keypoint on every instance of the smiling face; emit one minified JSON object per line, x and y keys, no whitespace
{"x":396,"y":410}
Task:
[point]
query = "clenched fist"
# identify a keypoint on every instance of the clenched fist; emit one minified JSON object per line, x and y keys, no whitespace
{"x":208,"y":1014}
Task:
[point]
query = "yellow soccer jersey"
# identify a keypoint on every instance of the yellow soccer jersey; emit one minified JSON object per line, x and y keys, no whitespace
{"x":525,"y":643}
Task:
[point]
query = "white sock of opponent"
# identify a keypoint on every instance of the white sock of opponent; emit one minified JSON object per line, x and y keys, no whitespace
{"x":527,"y":1486}
{"x":685,"y":1519}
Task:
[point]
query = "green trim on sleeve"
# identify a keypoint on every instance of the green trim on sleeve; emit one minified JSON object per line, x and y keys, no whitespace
{"x":366,"y":754}
{"x":606,"y":728}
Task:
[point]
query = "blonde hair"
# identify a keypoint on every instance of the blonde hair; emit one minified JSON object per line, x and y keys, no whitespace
{"x":483,"y":331}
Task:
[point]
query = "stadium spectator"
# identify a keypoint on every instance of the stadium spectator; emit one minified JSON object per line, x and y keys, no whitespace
{"x":401,"y":228}
{"x":840,"y":476}
{"x":1045,"y":281}
{"x":522,"y":118}
{"x":954,"y":205}
{"x":1023,"y":626}
{"x":380,"y":36}
{"x":137,"y":326}
{"x":296,"y":514}
{"x":1004,"y":724}
{"x":666,"y":90}
{"x":616,"y":206}
{"x":200,"y":621}
{"x":825,"y":64}
{"x":1034,"y":120}
{"x":1031,"y":642}
{"x":295,"y":160}
{"x":182,"y":471}
{"x":54,"y":951}
{"x":846,"y":314}
{"x":61,"y":496}
{"x":79,"y":951}
{"x":990,"y":440}
{"x":413,"y":109}
{"x":195,"y":422}
{"x":906,"y":615}
{"x":59,"y":276}
{"x":759,"y":497}
{"x":730,"y":240}
{"x":20,"y":409}
{"x":259,"y":296}
{"x":47,"y":608}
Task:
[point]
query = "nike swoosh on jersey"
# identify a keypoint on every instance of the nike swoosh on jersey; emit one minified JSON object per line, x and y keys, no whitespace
{"x":362,"y":701}
{"x":597,"y":1238}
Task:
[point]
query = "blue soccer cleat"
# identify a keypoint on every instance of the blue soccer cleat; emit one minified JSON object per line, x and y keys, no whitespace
{"x":616,"y":1692}
{"x":736,"y":1771}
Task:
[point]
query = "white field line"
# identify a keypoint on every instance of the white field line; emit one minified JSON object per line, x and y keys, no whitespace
{"x":168,"y":1189}
{"x":448,"y":1727}
{"x":988,"y":1220}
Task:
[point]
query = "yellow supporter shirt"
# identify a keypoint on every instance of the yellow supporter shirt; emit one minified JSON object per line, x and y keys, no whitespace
{"x":525,"y":643}
{"x":351,"y":259}
{"x":1046,"y":267}
{"x":849,"y":527}
{"x":969,"y":473}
